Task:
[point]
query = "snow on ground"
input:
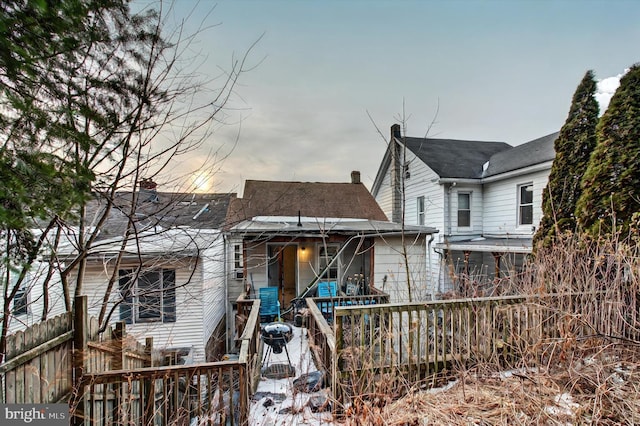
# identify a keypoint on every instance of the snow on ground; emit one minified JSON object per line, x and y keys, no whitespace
{"x":276,"y":402}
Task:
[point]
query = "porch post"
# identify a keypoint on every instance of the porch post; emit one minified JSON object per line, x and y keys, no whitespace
{"x":467,"y":253}
{"x":467,"y":281}
{"x":496,"y":259}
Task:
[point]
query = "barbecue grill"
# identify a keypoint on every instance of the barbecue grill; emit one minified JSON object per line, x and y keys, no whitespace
{"x":276,"y":335}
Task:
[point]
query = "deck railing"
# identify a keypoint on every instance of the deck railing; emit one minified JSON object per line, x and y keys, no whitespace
{"x":205,"y":393}
{"x":411,"y":342}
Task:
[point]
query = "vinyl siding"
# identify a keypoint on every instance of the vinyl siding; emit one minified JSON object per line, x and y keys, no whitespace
{"x":187,"y":331}
{"x":475,"y":195}
{"x":422,"y":182}
{"x":384,"y":196}
{"x":214,"y":305}
{"x":501,"y":205}
{"x":389,"y":262}
{"x":34,"y":282}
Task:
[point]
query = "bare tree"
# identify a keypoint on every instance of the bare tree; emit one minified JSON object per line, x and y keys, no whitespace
{"x":131,"y":104}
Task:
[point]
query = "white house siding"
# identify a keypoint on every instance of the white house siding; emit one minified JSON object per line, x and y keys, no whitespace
{"x":475,"y":192}
{"x":214,"y":301}
{"x":501,"y":205}
{"x":384,"y":195}
{"x":34,"y":282}
{"x":422,"y":183}
{"x":388,"y":261}
{"x":235,"y":285}
{"x":256,"y":261}
{"x":187,"y":331}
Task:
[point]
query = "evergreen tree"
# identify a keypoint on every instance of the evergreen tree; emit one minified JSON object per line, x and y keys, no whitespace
{"x":573,"y":147}
{"x":611,"y":184}
{"x":55,"y":105}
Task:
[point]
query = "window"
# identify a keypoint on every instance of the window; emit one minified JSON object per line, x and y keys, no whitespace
{"x":464,"y":209}
{"x":525,"y":204}
{"x":148,"y":295}
{"x":21,"y":301}
{"x":326,"y":255}
{"x":420,"y":209}
{"x":237,"y":261}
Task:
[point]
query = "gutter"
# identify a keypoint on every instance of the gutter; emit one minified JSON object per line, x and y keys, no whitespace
{"x":518,"y":172}
{"x":227,"y":304}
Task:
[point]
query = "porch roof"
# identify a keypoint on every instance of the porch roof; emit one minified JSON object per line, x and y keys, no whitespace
{"x":316,"y":226}
{"x":494,"y":245}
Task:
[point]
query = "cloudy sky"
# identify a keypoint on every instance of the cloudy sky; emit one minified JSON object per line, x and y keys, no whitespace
{"x":482,"y":70}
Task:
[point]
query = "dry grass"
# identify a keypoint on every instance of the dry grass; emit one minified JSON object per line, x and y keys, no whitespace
{"x":587,"y":376}
{"x":601,"y":389}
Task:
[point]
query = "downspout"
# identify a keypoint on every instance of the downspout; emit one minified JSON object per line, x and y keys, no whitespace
{"x":429,"y":265}
{"x":227,"y":304}
{"x":449,"y":191}
{"x":438,"y":288}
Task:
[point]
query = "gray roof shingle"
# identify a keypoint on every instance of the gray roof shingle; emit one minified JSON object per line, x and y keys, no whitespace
{"x":528,"y":154}
{"x":163,"y":209}
{"x":452,"y":158}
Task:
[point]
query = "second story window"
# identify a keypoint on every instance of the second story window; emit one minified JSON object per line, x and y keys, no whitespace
{"x":525,"y":204}
{"x":464,"y":209}
{"x":420,"y":209}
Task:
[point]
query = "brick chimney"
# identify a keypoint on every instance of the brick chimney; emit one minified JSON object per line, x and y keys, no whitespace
{"x":355,"y":176}
{"x":396,"y":175}
{"x":395,"y":131}
{"x":148,"y":192}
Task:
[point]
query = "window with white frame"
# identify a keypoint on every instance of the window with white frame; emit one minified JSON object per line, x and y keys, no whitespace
{"x":464,"y":209}
{"x":148,"y":295}
{"x":237,"y":261}
{"x":420,"y":209}
{"x":525,"y":204}
{"x":326,"y":253}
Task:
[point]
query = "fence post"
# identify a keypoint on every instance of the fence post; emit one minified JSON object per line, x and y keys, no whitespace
{"x":119,"y":334}
{"x":80,"y":339}
{"x":148,"y":385}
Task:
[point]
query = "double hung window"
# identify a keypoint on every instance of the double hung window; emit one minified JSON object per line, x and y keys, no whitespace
{"x":464,"y":209}
{"x":148,"y":295}
{"x":420,"y":210}
{"x":525,"y":204}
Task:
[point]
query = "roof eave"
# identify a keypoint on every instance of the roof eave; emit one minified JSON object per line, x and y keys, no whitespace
{"x":518,"y":172}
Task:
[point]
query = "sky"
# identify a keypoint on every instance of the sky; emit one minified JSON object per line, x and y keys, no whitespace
{"x":329,"y":78}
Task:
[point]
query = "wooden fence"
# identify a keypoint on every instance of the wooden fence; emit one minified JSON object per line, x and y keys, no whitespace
{"x":408,"y":343}
{"x":108,"y":378}
{"x":206,"y":393}
{"x":38,"y":363}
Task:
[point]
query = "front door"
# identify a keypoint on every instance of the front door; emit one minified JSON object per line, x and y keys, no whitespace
{"x":283,"y":272}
